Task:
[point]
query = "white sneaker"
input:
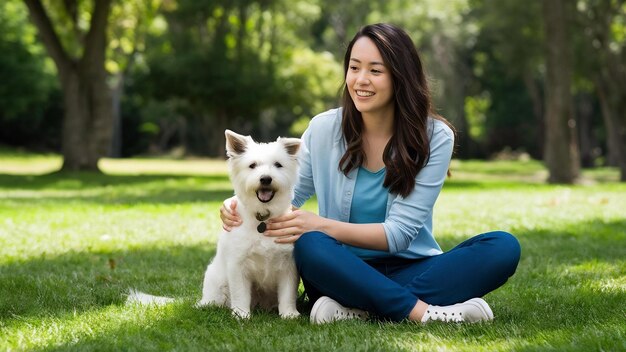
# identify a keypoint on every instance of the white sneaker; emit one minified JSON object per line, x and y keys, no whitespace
{"x":471,"y":311}
{"x":327,"y":310}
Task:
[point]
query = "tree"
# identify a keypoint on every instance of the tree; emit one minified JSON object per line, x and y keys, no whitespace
{"x":87,"y":123}
{"x":507,"y":64}
{"x":220,"y":64}
{"x":561,"y":148}
{"x":217,"y":57}
{"x":130,"y":21}
{"x":604,"y":22}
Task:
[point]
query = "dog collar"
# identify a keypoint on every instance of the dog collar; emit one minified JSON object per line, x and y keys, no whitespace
{"x":262,"y":226}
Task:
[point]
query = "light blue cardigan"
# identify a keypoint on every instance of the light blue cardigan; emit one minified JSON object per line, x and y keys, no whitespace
{"x":409,"y":221}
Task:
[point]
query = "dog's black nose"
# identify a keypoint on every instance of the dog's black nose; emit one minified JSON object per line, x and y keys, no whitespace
{"x":266,"y":180}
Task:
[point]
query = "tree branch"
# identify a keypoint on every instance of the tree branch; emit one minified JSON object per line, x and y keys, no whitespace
{"x":71,"y":6}
{"x":95,"y":43}
{"x":71,"y":9}
{"x":48,"y":35}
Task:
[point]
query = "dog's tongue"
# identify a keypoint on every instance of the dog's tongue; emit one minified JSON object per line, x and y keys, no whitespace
{"x":265,"y":194}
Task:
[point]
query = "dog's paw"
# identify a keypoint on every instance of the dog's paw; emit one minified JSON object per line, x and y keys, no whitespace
{"x":290,"y":314}
{"x":240,"y":313}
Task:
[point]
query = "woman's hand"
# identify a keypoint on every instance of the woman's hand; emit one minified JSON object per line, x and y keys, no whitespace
{"x":289,"y":227}
{"x":228,"y":214}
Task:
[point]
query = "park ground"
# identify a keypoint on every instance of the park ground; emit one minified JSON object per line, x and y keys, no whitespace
{"x":73,"y":244}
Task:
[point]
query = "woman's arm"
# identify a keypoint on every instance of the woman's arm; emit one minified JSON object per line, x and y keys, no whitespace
{"x":408,"y":215}
{"x":305,"y":187}
{"x":288,"y":228}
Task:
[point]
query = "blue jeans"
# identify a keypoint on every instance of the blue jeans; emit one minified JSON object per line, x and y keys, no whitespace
{"x":390,"y":287}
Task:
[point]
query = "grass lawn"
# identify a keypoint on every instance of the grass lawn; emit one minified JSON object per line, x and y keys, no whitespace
{"x":71,"y":245}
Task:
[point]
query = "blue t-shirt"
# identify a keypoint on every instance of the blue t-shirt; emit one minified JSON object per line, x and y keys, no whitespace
{"x":369,"y":205}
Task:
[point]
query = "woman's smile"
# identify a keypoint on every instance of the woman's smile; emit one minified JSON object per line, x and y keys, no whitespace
{"x":364,"y":93}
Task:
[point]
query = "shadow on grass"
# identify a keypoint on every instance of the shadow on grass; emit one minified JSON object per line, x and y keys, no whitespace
{"x":82,"y":180}
{"x":80,"y":281}
{"x":94,"y":188}
{"x":188,"y":329}
{"x":162,"y":196}
{"x":182,"y":327}
{"x":52,"y":285}
{"x":492,"y":185}
{"x":66,"y":181}
{"x":115,"y":189}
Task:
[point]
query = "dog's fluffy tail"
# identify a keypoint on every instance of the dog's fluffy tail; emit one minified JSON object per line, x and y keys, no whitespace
{"x":137,"y":297}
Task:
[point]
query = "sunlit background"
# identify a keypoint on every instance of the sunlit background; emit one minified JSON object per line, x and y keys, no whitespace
{"x":166,"y":77}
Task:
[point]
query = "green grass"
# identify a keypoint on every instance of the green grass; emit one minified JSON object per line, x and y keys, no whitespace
{"x":72,"y":244}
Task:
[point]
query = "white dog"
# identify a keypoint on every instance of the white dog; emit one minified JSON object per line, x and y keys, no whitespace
{"x":249,"y":268}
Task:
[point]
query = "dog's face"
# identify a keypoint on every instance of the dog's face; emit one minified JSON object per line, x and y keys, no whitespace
{"x":261,"y":173}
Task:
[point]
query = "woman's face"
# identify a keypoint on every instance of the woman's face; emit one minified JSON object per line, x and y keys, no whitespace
{"x":368,"y":79}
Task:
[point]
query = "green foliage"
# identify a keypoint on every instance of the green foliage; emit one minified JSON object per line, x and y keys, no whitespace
{"x":129,"y":22}
{"x":506,"y":60}
{"x":72,"y":244}
{"x":509,"y":119}
{"x":238,"y":65}
{"x":339,"y":20}
{"x":188,"y":69}
{"x":27,"y":83}
{"x":476,"y":108}
{"x":514,"y":40}
{"x":25,"y":80}
{"x":311,"y":80}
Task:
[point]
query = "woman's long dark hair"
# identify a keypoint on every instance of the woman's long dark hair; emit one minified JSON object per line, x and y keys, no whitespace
{"x":408,"y":149}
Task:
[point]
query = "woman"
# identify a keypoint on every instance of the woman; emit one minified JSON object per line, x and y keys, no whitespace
{"x":377,"y":166}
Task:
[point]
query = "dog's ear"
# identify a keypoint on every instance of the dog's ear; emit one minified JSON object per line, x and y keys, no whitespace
{"x":292,"y":145}
{"x":236,"y":144}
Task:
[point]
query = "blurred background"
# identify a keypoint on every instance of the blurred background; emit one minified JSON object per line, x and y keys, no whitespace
{"x":519,"y":79}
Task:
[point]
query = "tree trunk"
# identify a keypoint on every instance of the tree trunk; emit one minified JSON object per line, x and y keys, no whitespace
{"x":87,"y":123}
{"x":213,"y":127}
{"x":115,"y":150}
{"x":614,"y":77}
{"x":535,"y":97}
{"x":588,"y":144}
{"x":613,"y":113}
{"x":74,"y":143}
{"x":561,"y":148}
{"x":599,"y":19}
{"x":612,"y":96}
{"x":612,"y":141}
{"x":453,"y":70}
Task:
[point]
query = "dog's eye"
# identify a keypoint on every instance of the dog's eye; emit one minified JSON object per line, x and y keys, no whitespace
{"x":278,"y":165}
{"x":253,"y":165}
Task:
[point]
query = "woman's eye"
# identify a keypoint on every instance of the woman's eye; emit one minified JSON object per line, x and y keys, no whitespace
{"x":253,"y":165}
{"x":353,"y":68}
{"x":278,"y":165}
{"x":377,"y":72}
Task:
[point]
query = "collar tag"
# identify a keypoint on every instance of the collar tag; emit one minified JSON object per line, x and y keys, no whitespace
{"x":262,"y":226}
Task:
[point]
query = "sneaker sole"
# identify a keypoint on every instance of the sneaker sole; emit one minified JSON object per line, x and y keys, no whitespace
{"x":320,"y":302}
{"x":483,"y":307}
